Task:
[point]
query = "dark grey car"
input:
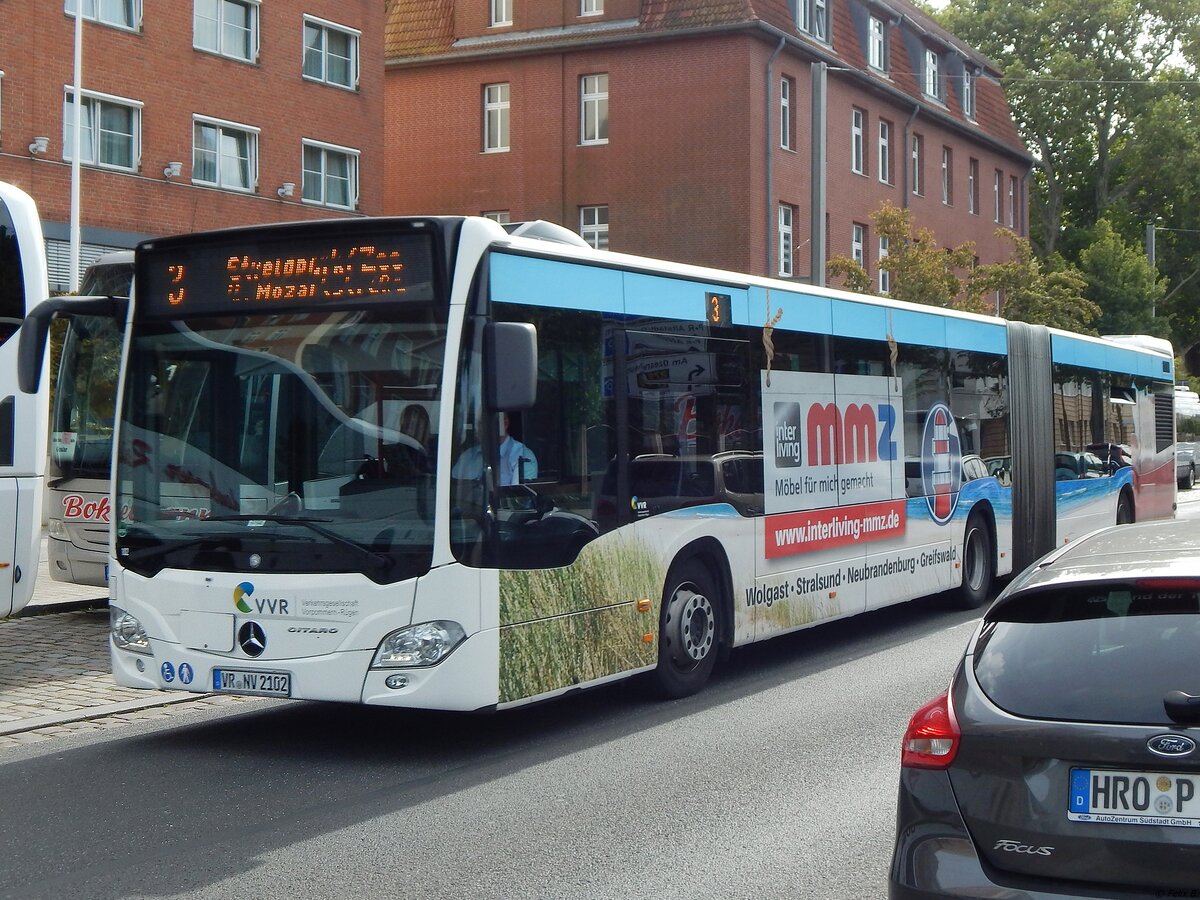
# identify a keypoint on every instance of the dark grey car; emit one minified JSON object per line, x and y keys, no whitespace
{"x":1064,"y":760}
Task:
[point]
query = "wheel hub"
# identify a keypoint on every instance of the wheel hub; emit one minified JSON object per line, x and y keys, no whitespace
{"x":697,"y":624}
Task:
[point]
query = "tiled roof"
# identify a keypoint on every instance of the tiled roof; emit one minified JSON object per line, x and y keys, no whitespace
{"x":425,"y":28}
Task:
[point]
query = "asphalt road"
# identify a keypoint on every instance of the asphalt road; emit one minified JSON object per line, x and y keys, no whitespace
{"x":779,"y":780}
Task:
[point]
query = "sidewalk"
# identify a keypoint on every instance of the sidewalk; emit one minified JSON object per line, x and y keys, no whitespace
{"x":54,"y":667}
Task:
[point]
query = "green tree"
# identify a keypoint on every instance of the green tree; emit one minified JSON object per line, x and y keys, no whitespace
{"x":1121,"y":282}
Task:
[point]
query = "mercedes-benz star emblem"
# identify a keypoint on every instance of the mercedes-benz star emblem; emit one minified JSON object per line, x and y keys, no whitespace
{"x":252,"y":639}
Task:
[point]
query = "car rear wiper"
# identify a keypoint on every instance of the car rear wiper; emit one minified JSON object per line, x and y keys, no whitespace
{"x":1183,"y":709}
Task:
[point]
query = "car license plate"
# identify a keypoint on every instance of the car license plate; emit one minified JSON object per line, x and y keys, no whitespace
{"x":262,"y":684}
{"x":1134,"y":798}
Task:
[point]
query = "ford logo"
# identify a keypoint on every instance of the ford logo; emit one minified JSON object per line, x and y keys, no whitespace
{"x":1171,"y":745}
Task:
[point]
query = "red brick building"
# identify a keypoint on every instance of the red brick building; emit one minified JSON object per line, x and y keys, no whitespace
{"x":682,"y":128}
{"x":195,"y":115}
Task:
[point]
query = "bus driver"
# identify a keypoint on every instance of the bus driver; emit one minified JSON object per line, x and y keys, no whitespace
{"x":513,"y":453}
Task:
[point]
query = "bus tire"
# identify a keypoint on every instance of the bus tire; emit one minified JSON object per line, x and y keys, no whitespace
{"x":690,"y":630}
{"x":978,"y":563}
{"x":1188,"y":481}
{"x":1125,"y":514}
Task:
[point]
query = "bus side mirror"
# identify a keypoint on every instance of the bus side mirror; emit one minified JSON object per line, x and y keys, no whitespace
{"x":511,"y":350}
{"x":35,"y":331}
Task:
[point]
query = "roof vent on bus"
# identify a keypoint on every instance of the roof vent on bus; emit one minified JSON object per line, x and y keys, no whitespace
{"x":542,"y":230}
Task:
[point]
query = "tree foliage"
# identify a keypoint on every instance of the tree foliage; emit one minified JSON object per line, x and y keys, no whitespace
{"x":1039,"y":292}
{"x":1121,"y":283}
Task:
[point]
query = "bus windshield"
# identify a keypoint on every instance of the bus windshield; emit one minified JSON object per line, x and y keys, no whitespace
{"x":82,"y":418}
{"x":293,"y":442}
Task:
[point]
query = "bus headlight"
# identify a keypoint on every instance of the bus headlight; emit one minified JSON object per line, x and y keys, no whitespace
{"x":127,"y":632}
{"x":426,"y":644}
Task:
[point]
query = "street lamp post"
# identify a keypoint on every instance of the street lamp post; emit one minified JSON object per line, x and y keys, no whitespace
{"x":76,"y":144}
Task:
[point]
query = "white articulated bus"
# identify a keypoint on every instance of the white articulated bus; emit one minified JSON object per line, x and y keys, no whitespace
{"x":24,"y":283}
{"x":432,"y":462}
{"x":82,"y":416}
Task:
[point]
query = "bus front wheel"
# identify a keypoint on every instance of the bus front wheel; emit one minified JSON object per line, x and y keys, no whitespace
{"x":689,"y":636}
{"x":1125,"y":514}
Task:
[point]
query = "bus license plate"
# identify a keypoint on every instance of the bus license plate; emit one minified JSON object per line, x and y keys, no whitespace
{"x":1134,"y":798}
{"x":262,"y":684}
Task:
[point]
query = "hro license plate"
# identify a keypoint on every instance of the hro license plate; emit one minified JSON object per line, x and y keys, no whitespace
{"x":1134,"y":798}
{"x":263,"y":684}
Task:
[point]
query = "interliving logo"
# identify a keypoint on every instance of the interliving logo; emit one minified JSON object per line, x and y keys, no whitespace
{"x":240,"y":593}
{"x":788,"y":425}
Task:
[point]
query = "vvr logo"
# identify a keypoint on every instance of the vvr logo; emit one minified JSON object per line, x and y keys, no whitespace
{"x":264,"y":605}
{"x":829,"y":435}
{"x":941,"y":463}
{"x":240,"y":593}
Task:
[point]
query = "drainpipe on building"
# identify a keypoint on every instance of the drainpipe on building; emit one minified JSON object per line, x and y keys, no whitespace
{"x":820,"y":110}
{"x":906,"y":153}
{"x":770,"y":93}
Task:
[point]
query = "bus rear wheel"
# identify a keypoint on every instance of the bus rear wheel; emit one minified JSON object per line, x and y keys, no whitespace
{"x":978,"y":563}
{"x":1124,"y":510}
{"x":690,"y":631}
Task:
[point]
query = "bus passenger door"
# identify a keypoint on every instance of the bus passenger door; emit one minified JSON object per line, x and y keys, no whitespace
{"x":23,"y":417}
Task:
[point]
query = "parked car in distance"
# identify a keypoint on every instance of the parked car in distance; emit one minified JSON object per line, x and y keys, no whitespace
{"x":1185,"y":464}
{"x":1063,"y":761}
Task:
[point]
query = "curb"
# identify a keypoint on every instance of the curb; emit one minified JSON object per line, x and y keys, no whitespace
{"x":93,"y":712}
{"x":64,"y":606}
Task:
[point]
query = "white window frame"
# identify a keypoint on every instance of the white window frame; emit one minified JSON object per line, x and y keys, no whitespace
{"x":96,"y":100}
{"x":591,"y":229}
{"x":885,"y":276}
{"x":593,"y":98}
{"x":591,"y":7}
{"x":785,"y":112}
{"x":996,"y":177}
{"x":973,"y":186}
{"x":251,"y":6}
{"x":885,"y":151}
{"x":500,"y":13}
{"x":858,"y":242}
{"x":918,"y":164}
{"x":224,"y":126}
{"x":1012,"y":201}
{"x":325,"y":28}
{"x":947,"y":176}
{"x":351,"y":155}
{"x":97,"y":14}
{"x":503,"y":216}
{"x":497,"y":117}
{"x":858,"y":149}
{"x":812,"y":17}
{"x":786,"y":240}
{"x":968,"y":94}
{"x":931,"y":82}
{"x":877,"y":44}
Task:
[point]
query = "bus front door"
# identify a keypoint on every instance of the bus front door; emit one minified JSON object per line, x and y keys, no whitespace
{"x":23,"y":416}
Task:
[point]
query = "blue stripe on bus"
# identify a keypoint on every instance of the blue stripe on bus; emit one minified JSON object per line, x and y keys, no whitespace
{"x":672,"y":298}
{"x":559,"y":285}
{"x":1071,"y":351}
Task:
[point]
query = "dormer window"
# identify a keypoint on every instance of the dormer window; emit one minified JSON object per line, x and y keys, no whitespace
{"x":932,"y":82}
{"x":877,"y":44}
{"x":812,"y":17}
{"x":968,"y":93}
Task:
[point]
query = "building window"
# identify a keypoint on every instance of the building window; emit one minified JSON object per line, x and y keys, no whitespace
{"x":973,"y":187}
{"x":224,"y":154}
{"x":885,"y":151}
{"x":227,"y":27}
{"x":812,"y":17}
{"x":330,"y":175}
{"x":968,"y":94}
{"x":918,"y":164}
{"x":785,"y":240}
{"x":885,"y":277}
{"x":593,"y":225}
{"x":503,"y":216}
{"x":1012,"y":201}
{"x":858,"y":150}
{"x":858,"y":240}
{"x":330,"y":53}
{"x":593,"y":105}
{"x":501,"y":12}
{"x":591,"y":7}
{"x":109,"y":131}
{"x":495,"y":118}
{"x":932,"y":82}
{"x":118,"y":13}
{"x":877,"y":45}
{"x":996,"y":178}
{"x":947,"y":176}
{"x":787,"y":88}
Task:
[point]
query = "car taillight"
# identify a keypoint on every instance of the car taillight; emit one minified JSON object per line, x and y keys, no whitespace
{"x":932,"y":737}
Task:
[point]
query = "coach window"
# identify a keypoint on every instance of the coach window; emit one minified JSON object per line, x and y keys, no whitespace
{"x":979,"y":403}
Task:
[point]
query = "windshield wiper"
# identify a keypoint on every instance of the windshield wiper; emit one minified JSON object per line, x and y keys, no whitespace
{"x":311,"y":524}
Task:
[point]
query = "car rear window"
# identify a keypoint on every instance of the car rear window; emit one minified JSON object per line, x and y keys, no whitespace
{"x":1092,"y":654}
